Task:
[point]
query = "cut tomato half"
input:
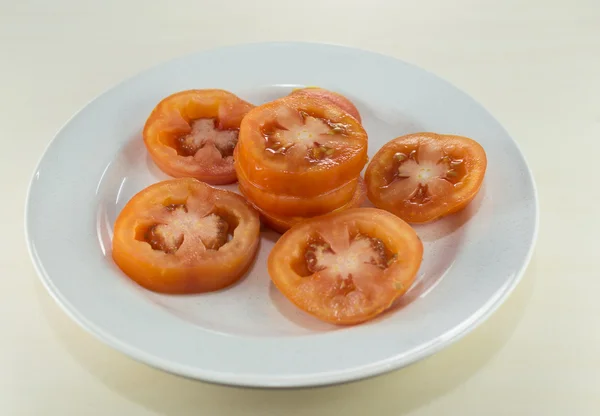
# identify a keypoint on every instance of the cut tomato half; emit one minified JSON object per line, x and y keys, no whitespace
{"x":282,"y":223}
{"x":184,"y":236}
{"x":287,"y":205}
{"x":193,"y":133}
{"x":334,"y":97}
{"x":300,"y":146}
{"x":348,"y":267}
{"x":424,"y":176}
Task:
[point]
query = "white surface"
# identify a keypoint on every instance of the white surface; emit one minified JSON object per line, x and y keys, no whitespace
{"x":249,"y":334}
{"x":536,"y":70}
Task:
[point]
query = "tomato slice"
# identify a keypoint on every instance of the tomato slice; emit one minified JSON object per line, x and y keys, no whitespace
{"x":424,"y":176}
{"x":282,"y":223}
{"x":334,"y":97}
{"x":300,"y":146}
{"x":184,"y":236}
{"x":287,"y":205}
{"x":193,"y":133}
{"x":348,"y":267}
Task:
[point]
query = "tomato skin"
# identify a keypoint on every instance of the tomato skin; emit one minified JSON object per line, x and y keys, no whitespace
{"x":275,"y":174}
{"x":195,"y":270}
{"x":393,"y":282}
{"x":172,"y":118}
{"x":290,"y":206}
{"x":334,"y":97}
{"x":282,"y":223}
{"x":473,"y":166}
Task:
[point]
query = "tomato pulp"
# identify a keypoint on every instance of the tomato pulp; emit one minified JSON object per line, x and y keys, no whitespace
{"x":348,"y":267}
{"x":184,"y":236}
{"x":424,"y":176}
{"x":300,"y":146}
{"x":334,"y":97}
{"x":193,"y":133}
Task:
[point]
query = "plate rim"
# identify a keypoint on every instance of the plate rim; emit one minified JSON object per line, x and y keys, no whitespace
{"x":354,"y":374}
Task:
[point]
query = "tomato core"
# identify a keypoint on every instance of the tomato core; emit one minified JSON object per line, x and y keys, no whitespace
{"x":205,"y":135}
{"x":301,"y":135}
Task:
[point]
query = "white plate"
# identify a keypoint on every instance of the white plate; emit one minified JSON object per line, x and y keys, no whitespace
{"x":250,"y":334}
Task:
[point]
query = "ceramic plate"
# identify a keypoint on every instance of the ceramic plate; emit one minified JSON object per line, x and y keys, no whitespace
{"x":249,"y":334}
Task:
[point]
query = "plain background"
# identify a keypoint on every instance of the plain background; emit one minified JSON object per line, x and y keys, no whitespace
{"x":534,"y":64}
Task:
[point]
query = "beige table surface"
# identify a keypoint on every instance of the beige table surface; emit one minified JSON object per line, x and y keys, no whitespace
{"x":535,"y":64}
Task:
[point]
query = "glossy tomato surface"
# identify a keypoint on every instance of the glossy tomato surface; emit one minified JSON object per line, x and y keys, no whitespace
{"x":424,"y":176}
{"x":348,"y":267}
{"x":184,"y":236}
{"x":300,"y":146}
{"x":193,"y":133}
{"x":287,"y":205}
{"x":334,"y":97}
{"x":282,"y":223}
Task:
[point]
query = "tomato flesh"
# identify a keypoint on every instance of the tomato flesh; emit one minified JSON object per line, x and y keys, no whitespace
{"x":286,"y":205}
{"x":348,"y":267}
{"x":183,"y":236}
{"x":424,"y":176}
{"x":302,"y":138}
{"x":282,"y":223}
{"x":335,"y":98}
{"x":193,"y":133}
{"x":300,"y":146}
{"x":176,"y":223}
{"x":205,"y":138}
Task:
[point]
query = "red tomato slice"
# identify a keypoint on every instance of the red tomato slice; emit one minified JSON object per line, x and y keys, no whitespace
{"x":184,"y":236}
{"x":282,"y":223}
{"x":300,"y":146}
{"x":348,"y":267}
{"x":193,"y":133}
{"x":334,"y":97}
{"x":424,"y":176}
{"x":286,"y":205}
